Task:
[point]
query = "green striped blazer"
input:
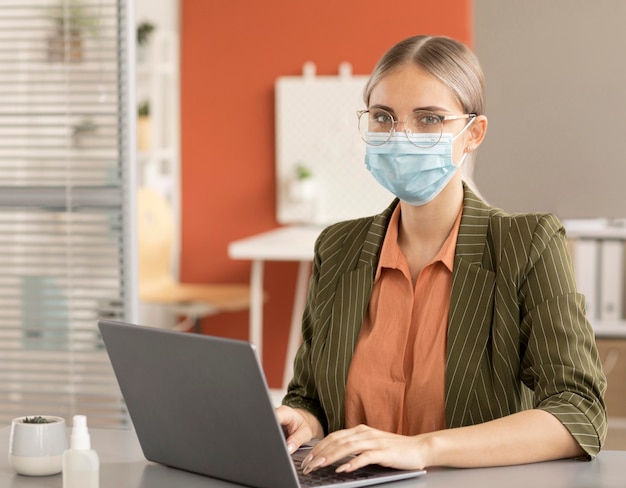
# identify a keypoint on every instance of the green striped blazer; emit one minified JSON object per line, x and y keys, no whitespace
{"x":518,"y":337}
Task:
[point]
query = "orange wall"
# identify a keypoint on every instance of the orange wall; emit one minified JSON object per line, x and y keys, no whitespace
{"x":231,"y":54}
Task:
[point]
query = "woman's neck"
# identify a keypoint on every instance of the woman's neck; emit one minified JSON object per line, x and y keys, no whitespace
{"x":423,"y":230}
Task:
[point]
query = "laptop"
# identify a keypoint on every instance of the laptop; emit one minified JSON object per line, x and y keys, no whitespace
{"x":201,"y":404}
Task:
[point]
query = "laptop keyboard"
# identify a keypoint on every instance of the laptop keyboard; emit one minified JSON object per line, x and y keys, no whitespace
{"x":327,"y":476}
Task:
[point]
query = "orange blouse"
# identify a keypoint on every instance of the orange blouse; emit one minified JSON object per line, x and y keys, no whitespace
{"x":396,"y":380}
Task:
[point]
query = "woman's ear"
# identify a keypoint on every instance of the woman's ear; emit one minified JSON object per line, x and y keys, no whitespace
{"x":476,"y":133}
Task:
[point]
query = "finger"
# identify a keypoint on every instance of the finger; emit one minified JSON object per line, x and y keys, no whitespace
{"x":288,"y":419}
{"x":362,"y":445}
{"x":339,"y":445}
{"x":347,"y":441}
{"x":284,"y":414}
{"x":292,"y":426}
{"x":313,"y":464}
{"x":357,"y":462}
{"x":296,"y":440}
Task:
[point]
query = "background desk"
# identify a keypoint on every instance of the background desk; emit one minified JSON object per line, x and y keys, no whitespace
{"x":292,"y":243}
{"x":122,"y":465}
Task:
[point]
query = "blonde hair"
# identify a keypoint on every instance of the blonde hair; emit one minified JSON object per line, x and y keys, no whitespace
{"x":452,"y":62}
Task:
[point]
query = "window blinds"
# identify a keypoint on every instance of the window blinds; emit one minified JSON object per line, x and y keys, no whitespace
{"x":66,"y":203}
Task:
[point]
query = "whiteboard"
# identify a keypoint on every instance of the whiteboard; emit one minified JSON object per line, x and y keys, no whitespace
{"x":316,"y":125}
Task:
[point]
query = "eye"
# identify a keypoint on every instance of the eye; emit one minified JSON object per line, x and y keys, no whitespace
{"x":426,"y":119}
{"x":381,"y":118}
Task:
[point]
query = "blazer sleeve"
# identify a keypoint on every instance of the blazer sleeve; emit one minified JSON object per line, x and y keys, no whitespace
{"x":560,"y":362}
{"x":302,"y":391}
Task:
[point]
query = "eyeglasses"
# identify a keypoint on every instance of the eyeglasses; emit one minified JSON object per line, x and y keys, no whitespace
{"x":422,"y":128}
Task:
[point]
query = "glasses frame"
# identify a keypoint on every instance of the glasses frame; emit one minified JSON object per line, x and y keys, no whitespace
{"x":407,"y":132}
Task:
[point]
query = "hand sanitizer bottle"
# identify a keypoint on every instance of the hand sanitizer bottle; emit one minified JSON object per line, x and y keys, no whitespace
{"x":81,"y":466}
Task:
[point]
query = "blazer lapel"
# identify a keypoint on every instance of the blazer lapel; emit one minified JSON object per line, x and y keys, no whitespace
{"x":471,"y":308}
{"x":350,"y":303}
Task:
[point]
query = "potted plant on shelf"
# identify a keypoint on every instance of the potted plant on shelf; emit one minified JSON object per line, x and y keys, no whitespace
{"x":302,"y":187}
{"x":143,"y":126}
{"x":144,"y":33}
{"x":71,"y":20}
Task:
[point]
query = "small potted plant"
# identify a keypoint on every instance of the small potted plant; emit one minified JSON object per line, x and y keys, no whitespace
{"x":71,"y":20}
{"x":144,"y":33}
{"x":302,"y":187}
{"x":36,"y":444}
{"x":143,"y":126}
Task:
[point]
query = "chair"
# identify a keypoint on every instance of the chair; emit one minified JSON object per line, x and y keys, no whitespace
{"x":157,"y":284}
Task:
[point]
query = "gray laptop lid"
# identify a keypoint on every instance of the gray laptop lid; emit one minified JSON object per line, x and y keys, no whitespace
{"x":201,"y":403}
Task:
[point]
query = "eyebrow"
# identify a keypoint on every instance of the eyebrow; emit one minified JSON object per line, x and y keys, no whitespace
{"x":430,"y":108}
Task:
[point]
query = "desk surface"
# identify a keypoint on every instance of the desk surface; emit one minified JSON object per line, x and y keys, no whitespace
{"x":122,"y":465}
{"x":291,"y":243}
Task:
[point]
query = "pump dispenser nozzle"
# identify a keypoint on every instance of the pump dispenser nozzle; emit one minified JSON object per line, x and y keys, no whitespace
{"x":80,"y":434}
{"x":81,"y":466}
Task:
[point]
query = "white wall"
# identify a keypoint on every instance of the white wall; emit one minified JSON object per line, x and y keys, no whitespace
{"x":163,"y":13}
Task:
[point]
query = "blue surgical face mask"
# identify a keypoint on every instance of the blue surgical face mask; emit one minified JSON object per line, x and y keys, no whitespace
{"x":415,"y":175}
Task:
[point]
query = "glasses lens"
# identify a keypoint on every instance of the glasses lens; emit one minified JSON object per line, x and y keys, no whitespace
{"x":375,"y":126}
{"x":424,"y":128}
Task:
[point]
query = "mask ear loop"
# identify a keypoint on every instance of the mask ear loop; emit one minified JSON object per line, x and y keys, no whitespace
{"x":465,"y":128}
{"x":458,"y":166}
{"x":467,"y":148}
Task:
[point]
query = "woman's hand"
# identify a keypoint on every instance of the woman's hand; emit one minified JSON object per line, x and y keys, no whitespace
{"x":368,"y":446}
{"x":299,"y":425}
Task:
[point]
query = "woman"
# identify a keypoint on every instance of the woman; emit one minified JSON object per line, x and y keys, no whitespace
{"x":442,"y":332}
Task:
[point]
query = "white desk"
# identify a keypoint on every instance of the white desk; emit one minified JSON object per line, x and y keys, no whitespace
{"x":292,"y":243}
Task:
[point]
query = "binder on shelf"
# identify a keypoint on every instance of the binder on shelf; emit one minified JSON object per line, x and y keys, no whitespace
{"x":586,"y":257}
{"x":611,"y":280}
